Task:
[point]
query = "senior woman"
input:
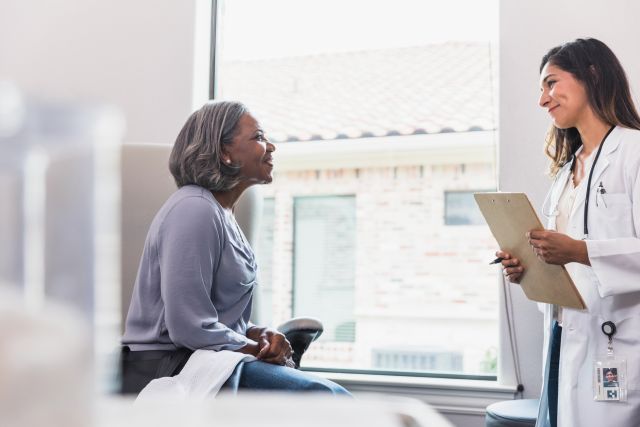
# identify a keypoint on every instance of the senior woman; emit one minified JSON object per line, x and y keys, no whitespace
{"x":197,"y":273}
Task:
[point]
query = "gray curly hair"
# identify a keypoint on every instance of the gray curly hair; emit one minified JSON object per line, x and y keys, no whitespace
{"x":196,"y":154}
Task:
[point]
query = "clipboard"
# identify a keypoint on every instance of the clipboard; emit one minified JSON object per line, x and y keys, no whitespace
{"x":510,"y":216}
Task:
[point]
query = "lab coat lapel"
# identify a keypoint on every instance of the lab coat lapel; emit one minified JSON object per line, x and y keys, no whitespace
{"x":550,"y":209}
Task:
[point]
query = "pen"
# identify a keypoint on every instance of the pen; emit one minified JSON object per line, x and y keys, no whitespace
{"x":496,"y":261}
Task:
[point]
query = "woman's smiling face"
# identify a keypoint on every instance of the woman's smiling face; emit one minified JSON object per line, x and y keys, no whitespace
{"x":252,"y":151}
{"x":563,"y":96}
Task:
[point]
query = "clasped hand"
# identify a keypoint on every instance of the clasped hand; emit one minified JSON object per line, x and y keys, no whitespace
{"x":549,"y":246}
{"x":273,"y":347}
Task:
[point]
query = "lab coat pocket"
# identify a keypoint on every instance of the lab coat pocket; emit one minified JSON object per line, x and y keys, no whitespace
{"x":613,"y":214}
{"x":616,"y":199}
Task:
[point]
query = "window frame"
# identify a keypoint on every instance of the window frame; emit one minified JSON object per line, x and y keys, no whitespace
{"x":490,"y":387}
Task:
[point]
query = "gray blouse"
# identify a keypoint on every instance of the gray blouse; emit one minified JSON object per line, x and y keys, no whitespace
{"x":196,"y":278}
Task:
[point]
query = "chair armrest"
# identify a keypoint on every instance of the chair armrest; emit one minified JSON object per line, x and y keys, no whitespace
{"x":301,"y":331}
{"x":302,"y":324}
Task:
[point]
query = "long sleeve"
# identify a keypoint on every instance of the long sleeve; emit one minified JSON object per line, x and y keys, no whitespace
{"x":190,"y":245}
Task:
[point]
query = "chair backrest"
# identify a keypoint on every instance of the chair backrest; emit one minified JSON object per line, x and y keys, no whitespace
{"x":146,"y":184}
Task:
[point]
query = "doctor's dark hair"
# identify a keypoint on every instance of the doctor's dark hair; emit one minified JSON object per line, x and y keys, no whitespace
{"x":593,"y":64}
{"x":196,"y":154}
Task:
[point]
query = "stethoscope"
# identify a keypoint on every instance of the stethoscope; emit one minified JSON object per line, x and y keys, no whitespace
{"x":593,"y":165}
{"x":608,"y":328}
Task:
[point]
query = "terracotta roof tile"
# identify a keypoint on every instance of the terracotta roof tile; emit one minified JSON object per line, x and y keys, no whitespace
{"x":435,"y":88}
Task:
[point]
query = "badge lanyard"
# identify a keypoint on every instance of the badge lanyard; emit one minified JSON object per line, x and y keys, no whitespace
{"x":610,"y":372}
{"x":593,"y":165}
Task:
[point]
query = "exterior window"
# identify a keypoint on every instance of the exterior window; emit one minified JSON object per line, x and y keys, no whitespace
{"x":324,"y":264}
{"x":382,"y":126}
{"x":460,"y":208}
{"x":263,"y":308}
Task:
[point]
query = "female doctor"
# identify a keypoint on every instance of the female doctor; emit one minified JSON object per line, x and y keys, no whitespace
{"x":593,"y":229}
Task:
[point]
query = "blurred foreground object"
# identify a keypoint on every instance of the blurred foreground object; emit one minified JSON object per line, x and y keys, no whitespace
{"x":12,"y":110}
{"x":59,"y":209}
{"x":272,"y":410}
{"x":45,"y":365}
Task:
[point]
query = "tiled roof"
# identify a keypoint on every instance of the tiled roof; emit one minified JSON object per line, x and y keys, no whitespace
{"x":436,"y":88}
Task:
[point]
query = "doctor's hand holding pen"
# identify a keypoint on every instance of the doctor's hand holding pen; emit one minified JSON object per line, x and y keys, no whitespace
{"x":550,"y":247}
{"x":511,"y":267}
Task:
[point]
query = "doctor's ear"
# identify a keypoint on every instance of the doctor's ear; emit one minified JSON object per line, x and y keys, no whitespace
{"x":595,"y":74}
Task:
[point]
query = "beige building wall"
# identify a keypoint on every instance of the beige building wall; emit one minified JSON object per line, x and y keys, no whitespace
{"x":418,"y":281}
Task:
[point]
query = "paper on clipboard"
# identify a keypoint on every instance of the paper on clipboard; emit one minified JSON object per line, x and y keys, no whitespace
{"x":510,"y":216}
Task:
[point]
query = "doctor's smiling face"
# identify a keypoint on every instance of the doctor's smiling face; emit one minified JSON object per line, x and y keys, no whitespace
{"x":563,"y":96}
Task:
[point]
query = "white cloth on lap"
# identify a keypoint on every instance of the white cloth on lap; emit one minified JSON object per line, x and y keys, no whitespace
{"x":203,"y":375}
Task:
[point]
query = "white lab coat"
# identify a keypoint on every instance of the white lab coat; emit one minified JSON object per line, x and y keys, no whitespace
{"x":610,"y":287}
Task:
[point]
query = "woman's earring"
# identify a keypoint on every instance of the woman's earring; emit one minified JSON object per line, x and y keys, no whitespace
{"x":228,"y":161}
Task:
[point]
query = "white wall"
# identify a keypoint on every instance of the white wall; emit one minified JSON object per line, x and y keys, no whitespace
{"x":136,"y":54}
{"x":527,"y":30}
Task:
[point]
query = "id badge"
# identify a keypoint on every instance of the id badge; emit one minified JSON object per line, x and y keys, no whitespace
{"x":610,"y":379}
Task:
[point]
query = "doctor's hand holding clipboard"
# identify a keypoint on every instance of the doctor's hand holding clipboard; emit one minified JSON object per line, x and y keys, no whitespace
{"x":549,"y":246}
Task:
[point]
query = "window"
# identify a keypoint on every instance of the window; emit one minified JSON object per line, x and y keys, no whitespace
{"x":460,"y":208}
{"x":263,"y":308}
{"x":324,"y":264}
{"x":382,"y":126}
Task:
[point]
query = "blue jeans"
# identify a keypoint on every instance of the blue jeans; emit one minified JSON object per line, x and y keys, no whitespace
{"x":260,"y":375}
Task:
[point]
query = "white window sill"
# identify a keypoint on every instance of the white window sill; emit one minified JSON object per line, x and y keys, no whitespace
{"x":446,"y":395}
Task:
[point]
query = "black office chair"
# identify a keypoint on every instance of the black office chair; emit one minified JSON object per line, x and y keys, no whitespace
{"x":301,"y":332}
